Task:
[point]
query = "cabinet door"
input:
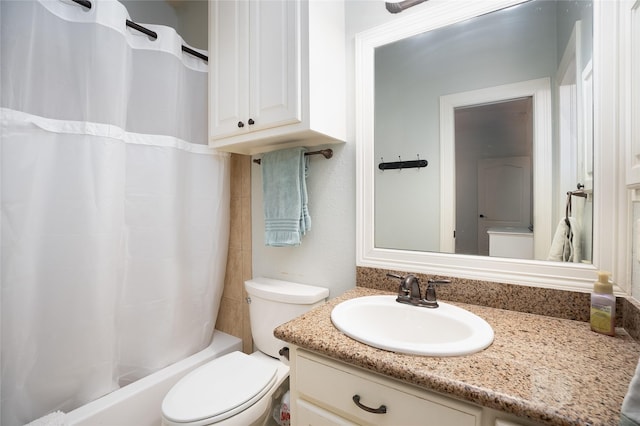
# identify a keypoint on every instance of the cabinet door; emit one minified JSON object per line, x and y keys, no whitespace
{"x":228,"y":67}
{"x":274,"y":63}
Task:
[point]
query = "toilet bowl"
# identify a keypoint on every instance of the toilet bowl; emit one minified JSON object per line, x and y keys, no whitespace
{"x":239,"y":389}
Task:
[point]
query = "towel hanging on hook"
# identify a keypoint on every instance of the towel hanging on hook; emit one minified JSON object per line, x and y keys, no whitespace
{"x":578,"y":193}
{"x":566,"y":245}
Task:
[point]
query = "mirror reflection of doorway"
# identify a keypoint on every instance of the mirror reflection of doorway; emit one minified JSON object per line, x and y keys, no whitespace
{"x":494,"y":147}
{"x":504,"y":199}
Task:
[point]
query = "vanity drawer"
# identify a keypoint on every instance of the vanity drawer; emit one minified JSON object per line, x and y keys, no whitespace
{"x":333,"y":386}
{"x":312,"y":415}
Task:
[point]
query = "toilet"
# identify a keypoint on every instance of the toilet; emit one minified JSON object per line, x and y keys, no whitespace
{"x":239,"y":389}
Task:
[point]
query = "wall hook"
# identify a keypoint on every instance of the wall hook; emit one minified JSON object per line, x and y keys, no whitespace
{"x":402,"y":164}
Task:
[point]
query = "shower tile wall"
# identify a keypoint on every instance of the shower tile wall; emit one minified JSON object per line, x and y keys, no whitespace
{"x":233,"y":317}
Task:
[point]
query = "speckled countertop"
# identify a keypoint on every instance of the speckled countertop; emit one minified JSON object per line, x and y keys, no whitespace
{"x":549,"y":370}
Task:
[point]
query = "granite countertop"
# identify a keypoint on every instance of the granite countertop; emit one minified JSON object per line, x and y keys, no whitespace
{"x":550,"y":370}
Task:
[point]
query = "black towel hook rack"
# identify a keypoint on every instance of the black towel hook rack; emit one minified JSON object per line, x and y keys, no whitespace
{"x":402,"y":164}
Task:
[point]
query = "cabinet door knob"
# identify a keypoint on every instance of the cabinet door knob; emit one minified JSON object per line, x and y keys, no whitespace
{"x":240,"y":124}
{"x":251,"y":121}
{"x":380,"y":410}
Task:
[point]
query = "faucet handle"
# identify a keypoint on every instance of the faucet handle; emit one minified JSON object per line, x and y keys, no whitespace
{"x":430,"y":298}
{"x":403,"y":291}
{"x":439,"y":282}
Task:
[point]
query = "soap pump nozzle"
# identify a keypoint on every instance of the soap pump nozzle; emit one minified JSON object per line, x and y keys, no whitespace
{"x":603,"y":285}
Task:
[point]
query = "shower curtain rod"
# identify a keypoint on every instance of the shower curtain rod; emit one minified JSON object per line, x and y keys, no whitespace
{"x":147,"y":31}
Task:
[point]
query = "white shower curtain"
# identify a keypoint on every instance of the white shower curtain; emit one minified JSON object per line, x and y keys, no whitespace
{"x":115,"y":212}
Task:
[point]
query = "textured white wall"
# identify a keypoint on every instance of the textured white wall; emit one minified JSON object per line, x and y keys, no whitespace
{"x":327,"y":254}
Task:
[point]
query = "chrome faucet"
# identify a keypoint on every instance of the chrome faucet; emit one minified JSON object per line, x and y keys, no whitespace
{"x":409,"y":291}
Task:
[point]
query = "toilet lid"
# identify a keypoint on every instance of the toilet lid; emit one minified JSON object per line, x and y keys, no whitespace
{"x":219,"y":389}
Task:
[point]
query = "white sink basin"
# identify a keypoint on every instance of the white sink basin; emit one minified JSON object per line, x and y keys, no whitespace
{"x":383,"y":323}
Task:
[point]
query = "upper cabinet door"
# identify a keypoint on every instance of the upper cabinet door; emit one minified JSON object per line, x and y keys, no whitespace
{"x":228,"y":67}
{"x":274,"y":63}
{"x":276,"y":74}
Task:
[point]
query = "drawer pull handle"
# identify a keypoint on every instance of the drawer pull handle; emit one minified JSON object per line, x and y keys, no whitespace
{"x":380,"y":410}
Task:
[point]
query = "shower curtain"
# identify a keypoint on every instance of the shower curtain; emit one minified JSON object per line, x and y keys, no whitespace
{"x":115,"y":212}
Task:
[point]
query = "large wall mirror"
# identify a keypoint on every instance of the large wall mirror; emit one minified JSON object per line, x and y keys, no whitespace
{"x":475,"y":131}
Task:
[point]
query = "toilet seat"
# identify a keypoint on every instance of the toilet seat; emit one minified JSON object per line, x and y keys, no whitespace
{"x":219,"y":389}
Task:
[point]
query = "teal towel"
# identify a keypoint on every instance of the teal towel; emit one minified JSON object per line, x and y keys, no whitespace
{"x":630,"y":412}
{"x":284,"y":186}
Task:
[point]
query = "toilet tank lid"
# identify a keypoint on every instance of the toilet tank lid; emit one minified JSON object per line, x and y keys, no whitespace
{"x":285,"y":291}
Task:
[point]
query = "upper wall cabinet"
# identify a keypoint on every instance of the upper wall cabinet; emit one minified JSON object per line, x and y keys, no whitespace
{"x":276,"y":74}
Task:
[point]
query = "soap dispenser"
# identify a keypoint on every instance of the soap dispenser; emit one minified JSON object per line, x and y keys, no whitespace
{"x":603,"y":306}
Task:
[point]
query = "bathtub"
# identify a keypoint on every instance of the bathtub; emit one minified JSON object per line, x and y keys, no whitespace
{"x":138,"y":404}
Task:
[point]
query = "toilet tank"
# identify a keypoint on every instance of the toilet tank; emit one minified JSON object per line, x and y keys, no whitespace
{"x":274,"y":302}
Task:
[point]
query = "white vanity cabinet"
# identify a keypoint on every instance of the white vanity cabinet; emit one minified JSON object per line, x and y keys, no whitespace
{"x":276,"y":74}
{"x":323,"y":390}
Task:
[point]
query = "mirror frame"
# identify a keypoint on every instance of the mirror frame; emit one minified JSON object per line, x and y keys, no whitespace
{"x":610,"y":239}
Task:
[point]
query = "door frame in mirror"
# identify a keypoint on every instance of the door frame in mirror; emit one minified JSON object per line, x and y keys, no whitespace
{"x":540,"y":92}
{"x":610,"y":240}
